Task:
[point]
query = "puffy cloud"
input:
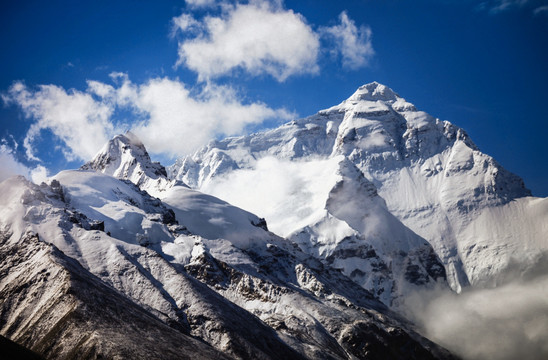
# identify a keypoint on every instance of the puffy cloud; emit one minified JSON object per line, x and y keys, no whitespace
{"x":170,"y":118}
{"x":259,"y":37}
{"x":81,"y":122}
{"x":353,"y":43}
{"x":178,"y":122}
{"x":185,"y":23}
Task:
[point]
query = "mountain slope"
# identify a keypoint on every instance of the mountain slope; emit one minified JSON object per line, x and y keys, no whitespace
{"x":249,"y":297}
{"x":125,"y":263}
{"x":431,"y":175}
{"x":52,"y":305}
{"x":126,"y":157}
{"x":388,"y":260}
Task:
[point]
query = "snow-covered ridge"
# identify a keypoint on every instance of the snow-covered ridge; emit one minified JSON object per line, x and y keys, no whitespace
{"x":125,"y":157}
{"x":432,"y":176}
{"x":317,"y":213}
{"x":260,"y":298}
{"x":374,"y":199}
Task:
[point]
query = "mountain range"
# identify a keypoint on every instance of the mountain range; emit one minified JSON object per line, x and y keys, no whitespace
{"x":302,"y":241}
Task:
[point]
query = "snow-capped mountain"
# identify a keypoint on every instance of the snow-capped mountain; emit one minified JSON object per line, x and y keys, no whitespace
{"x":50,"y":303}
{"x":349,"y":226}
{"x":207,"y":269}
{"x":365,"y":203}
{"x":479,"y":218}
{"x":126,"y":157}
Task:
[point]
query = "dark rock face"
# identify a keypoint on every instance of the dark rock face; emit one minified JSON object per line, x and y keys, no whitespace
{"x":97,"y":225}
{"x":363,"y":335}
{"x":64,"y":312}
{"x":427,"y":268}
{"x":12,"y":350}
{"x":168,"y":217}
{"x":261,"y":223}
{"x":368,"y":341}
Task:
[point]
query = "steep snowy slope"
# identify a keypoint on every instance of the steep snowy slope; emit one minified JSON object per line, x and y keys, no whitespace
{"x":125,"y":157}
{"x":52,"y":305}
{"x":136,"y":271}
{"x":378,"y":253}
{"x":338,"y":216}
{"x":431,"y":175}
{"x":250,"y":297}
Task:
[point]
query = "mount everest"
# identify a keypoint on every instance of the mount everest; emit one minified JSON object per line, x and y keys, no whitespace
{"x":367,"y":202}
{"x":478,"y":217}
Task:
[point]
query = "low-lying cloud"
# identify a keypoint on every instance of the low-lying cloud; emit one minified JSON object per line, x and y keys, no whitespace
{"x":289,"y":194}
{"x":504,"y":323}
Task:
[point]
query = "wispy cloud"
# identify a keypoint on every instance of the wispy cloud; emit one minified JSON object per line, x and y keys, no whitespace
{"x":502,"y":5}
{"x":353,"y":43}
{"x":499,"y":6}
{"x":10,"y":166}
{"x":541,"y":10}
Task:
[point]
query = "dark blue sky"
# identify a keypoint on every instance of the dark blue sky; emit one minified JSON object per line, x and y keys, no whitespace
{"x":480,"y":65}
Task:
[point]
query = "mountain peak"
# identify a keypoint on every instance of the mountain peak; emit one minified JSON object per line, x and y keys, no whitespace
{"x":131,"y":138}
{"x":125,"y":157}
{"x":373,"y":92}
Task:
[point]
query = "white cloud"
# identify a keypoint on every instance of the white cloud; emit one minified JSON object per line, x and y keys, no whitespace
{"x":171,"y":119}
{"x":259,"y":37}
{"x":10,"y":166}
{"x":185,"y":23}
{"x":100,"y":89}
{"x":178,"y":122}
{"x":39,"y":174}
{"x":73,"y":116}
{"x":353,"y":43}
{"x":290,"y":195}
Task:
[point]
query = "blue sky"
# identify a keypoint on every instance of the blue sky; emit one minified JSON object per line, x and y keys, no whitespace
{"x":178,"y":73}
